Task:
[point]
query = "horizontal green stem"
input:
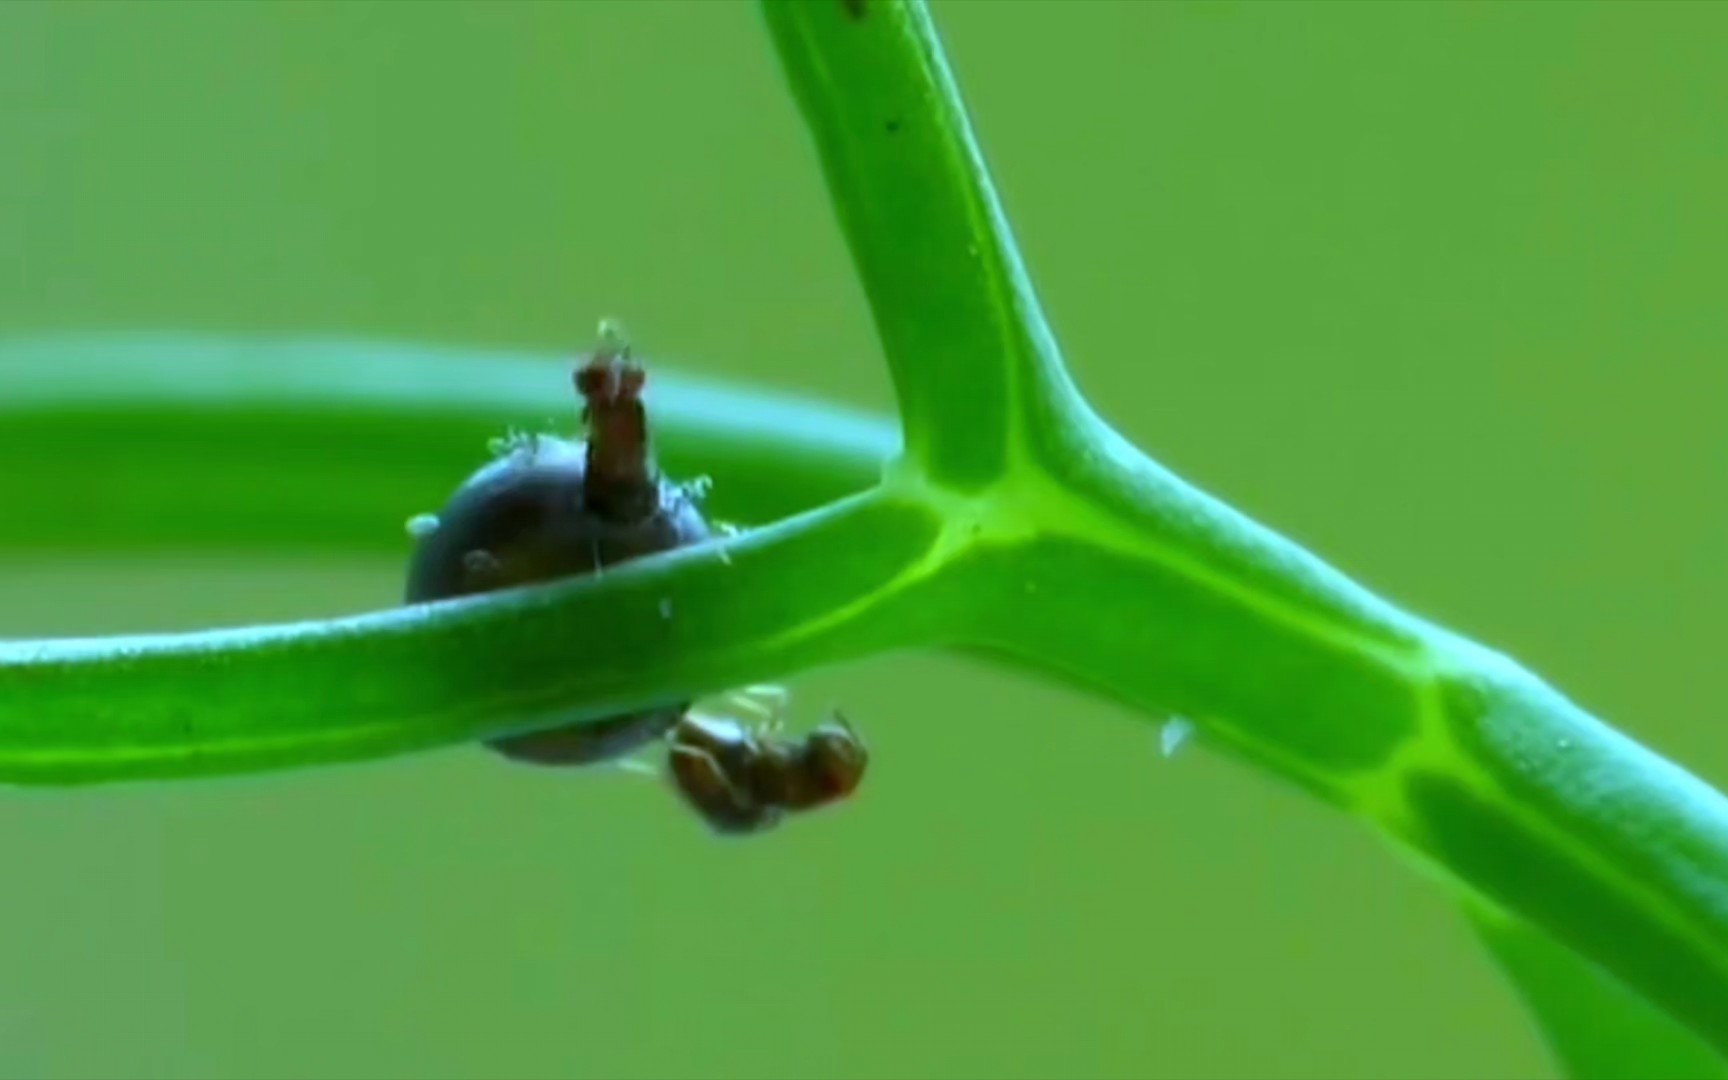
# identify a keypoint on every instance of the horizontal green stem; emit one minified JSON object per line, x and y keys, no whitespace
{"x":172,"y":441}
{"x":126,"y":442}
{"x":818,"y":588}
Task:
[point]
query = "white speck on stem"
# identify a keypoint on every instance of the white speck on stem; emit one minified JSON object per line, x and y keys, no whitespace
{"x":421,"y":526}
{"x":1174,"y":734}
{"x":665,"y":607}
{"x":764,"y":704}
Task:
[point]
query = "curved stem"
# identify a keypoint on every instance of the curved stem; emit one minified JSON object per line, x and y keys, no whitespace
{"x":123,"y":442}
{"x":1133,"y":589}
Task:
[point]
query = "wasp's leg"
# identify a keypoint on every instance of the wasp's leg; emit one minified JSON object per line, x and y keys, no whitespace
{"x":633,"y":765}
{"x":762,"y":707}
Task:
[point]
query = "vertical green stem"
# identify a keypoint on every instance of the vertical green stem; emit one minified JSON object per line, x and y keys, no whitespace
{"x":950,"y":296}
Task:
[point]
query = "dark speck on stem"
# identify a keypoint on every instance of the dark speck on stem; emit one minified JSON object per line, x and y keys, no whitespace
{"x":892,"y":127}
{"x":854,"y":8}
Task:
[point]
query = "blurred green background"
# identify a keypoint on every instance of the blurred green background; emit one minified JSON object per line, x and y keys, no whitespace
{"x":1437,"y":289}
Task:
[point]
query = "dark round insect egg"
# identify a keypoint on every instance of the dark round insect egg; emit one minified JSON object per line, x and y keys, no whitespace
{"x":525,"y":518}
{"x":544,"y":510}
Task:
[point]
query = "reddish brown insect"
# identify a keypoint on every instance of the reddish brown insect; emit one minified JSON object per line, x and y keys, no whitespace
{"x":742,"y":780}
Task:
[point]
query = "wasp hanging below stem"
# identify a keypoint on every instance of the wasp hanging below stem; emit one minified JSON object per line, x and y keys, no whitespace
{"x":745,"y":779}
{"x":547,"y":508}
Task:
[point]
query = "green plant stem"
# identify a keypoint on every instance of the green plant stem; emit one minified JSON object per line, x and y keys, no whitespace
{"x":373,"y":685}
{"x":1493,"y":777}
{"x":931,"y":244}
{"x":1110,"y":571}
{"x":1017,"y":522}
{"x":1592,"y":1023}
{"x":129,"y":442}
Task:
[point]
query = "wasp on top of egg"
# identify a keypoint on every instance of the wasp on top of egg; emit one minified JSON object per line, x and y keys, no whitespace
{"x":549,"y":508}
